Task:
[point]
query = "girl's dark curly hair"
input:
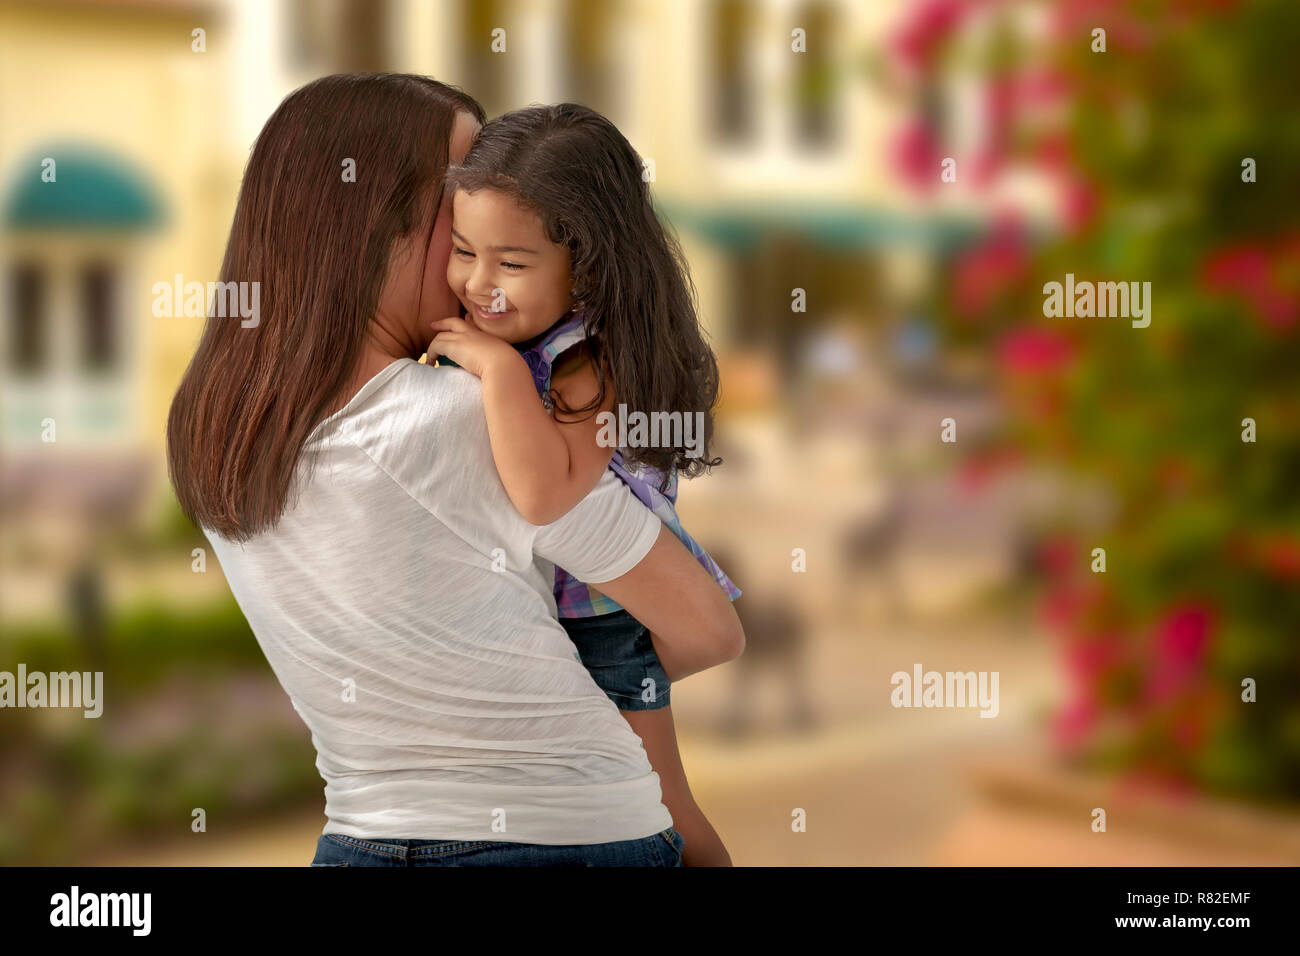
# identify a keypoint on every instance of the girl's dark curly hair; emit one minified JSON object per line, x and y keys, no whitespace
{"x":581,"y":176}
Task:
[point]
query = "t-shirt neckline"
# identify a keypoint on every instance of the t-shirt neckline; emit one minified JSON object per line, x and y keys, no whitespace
{"x":374,"y":382}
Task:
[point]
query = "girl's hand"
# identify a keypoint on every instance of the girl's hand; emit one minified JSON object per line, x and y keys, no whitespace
{"x":469,"y":346}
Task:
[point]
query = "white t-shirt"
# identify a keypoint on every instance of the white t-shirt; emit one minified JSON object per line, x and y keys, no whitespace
{"x":406,"y":608}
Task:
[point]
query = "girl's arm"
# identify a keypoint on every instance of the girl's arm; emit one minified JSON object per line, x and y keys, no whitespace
{"x":547,"y":467}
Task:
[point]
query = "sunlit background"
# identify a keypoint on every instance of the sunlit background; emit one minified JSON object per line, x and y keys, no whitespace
{"x":919,"y":465}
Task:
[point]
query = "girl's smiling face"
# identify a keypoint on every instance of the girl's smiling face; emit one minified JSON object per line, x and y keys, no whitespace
{"x":514,"y":282}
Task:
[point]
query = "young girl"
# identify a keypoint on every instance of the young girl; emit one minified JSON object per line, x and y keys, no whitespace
{"x":574,"y":292}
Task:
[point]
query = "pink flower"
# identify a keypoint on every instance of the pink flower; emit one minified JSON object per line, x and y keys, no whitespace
{"x":1091,"y":657}
{"x":1181,"y":646}
{"x":1074,"y":21}
{"x":1234,"y":267}
{"x":1073,"y":723}
{"x":1035,"y":351}
{"x":1079,"y":203}
{"x":986,"y":164}
{"x":1041,"y":87}
{"x":991,"y":268}
{"x":1062,"y":607}
{"x":1267,"y":279}
{"x":1183,"y":636}
{"x":916,"y":156}
{"x":1053,"y":152}
{"x":1000,"y":97}
{"x":1069,"y":605}
{"x":976,"y":471}
{"x":1059,"y":555}
{"x":931,"y":21}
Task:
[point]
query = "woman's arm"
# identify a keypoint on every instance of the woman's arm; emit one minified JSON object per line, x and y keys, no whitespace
{"x":693,"y":622}
{"x":613,"y":541}
{"x":547,"y":467}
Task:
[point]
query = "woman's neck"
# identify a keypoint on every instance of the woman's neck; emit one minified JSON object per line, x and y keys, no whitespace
{"x":374,"y":358}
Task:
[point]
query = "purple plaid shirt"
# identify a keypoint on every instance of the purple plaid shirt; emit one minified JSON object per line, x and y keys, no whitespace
{"x":572,"y":597}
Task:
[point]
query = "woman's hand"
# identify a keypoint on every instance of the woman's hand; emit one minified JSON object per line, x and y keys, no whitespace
{"x":470,"y":347}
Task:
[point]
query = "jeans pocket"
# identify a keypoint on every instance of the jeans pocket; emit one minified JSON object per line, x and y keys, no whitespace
{"x":674,"y":843}
{"x":331,"y":852}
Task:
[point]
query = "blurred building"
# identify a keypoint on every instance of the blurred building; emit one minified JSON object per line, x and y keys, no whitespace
{"x":769,"y":143}
{"x":767,"y":130}
{"x":769,"y":139}
{"x":117,"y":173}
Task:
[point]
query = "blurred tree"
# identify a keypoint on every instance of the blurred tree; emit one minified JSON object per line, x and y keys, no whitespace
{"x":1146,"y":143}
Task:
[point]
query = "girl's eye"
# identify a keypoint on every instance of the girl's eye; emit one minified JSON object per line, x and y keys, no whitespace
{"x":462,"y":252}
{"x":512,"y":266}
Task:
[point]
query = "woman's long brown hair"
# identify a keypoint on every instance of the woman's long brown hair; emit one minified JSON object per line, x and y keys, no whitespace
{"x":319,"y":248}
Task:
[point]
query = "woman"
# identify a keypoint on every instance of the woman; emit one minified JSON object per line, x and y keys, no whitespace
{"x":349,"y":493}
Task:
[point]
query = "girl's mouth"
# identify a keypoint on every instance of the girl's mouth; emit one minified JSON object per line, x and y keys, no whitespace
{"x":488,"y":314}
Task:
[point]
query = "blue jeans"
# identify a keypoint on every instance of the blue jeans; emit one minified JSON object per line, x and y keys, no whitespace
{"x":338,"y":849}
{"x":617,"y":651}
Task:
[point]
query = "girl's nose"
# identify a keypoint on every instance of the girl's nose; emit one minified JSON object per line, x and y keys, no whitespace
{"x":478,"y":285}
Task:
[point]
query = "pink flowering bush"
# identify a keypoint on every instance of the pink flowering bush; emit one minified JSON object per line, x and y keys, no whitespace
{"x":1182,"y":658}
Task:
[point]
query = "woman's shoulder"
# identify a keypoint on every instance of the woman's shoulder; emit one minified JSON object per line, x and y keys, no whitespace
{"x":410,"y":406}
{"x":416,"y":392}
{"x":425,"y":429}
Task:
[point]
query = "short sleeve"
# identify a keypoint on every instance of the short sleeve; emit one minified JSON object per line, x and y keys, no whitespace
{"x":603,"y":537}
{"x":428,"y":432}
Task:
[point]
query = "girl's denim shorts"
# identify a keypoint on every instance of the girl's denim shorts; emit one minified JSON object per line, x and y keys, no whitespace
{"x":338,"y":849}
{"x":617,"y":651}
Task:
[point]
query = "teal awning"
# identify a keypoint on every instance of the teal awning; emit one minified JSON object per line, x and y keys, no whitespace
{"x":91,"y":190}
{"x":741,"y":227}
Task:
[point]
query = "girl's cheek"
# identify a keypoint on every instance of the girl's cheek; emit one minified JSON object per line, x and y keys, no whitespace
{"x":456,"y":276}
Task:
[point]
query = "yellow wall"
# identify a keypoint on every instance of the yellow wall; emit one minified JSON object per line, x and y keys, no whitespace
{"x":127,"y":82}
